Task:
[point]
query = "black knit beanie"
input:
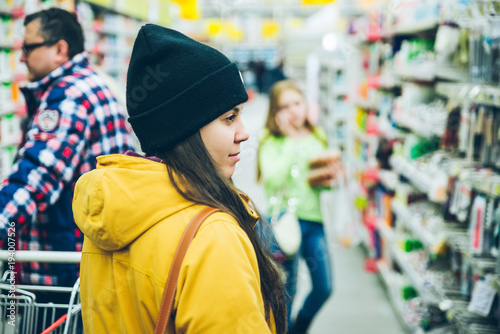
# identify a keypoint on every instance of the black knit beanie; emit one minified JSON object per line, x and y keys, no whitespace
{"x":176,"y":85}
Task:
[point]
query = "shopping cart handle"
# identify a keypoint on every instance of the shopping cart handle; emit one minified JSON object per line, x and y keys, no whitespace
{"x":41,"y":256}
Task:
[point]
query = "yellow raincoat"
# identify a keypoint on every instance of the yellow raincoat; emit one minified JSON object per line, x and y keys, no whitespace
{"x":133,"y":220}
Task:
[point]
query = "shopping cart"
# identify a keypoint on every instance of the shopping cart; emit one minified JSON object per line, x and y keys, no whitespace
{"x":20,"y":313}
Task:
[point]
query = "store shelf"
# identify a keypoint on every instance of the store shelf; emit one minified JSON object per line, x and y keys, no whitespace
{"x":9,"y":46}
{"x":389,"y":82}
{"x":365,"y":105}
{"x":363,"y":136}
{"x":113,"y":8}
{"x":448,"y":329}
{"x":9,"y":143}
{"x":482,"y":265}
{"x":385,"y":273}
{"x":418,"y":72}
{"x":339,"y":92}
{"x":429,"y":238}
{"x":428,"y":274}
{"x":339,"y":117}
{"x":404,"y":167}
{"x":459,"y":240}
{"x":414,"y":28}
{"x":496,"y":282}
{"x":425,"y":290}
{"x":114,"y":69}
{"x":389,"y":179}
{"x":386,"y":231}
{"x":434,"y":187}
{"x":7,"y":108}
{"x":452,"y":73}
{"x":475,"y":93}
{"x":417,"y":126}
{"x":114,"y":51}
{"x":6,"y":77}
{"x":397,"y":305}
{"x":116,"y":32}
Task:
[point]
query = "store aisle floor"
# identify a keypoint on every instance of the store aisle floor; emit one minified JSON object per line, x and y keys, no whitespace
{"x":359,"y":304}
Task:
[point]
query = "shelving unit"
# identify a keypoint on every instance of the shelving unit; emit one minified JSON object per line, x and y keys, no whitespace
{"x":335,"y":109}
{"x":398,"y":305}
{"x":397,"y":60}
{"x":415,"y":27}
{"x":469,"y":92}
{"x":413,"y":224}
{"x":426,"y":180}
{"x":110,"y":35}
{"x":11,"y":73}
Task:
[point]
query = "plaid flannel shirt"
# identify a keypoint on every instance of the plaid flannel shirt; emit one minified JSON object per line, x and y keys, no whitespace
{"x":72,"y":118}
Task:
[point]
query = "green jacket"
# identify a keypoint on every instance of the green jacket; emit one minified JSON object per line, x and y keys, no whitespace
{"x":284,"y":167}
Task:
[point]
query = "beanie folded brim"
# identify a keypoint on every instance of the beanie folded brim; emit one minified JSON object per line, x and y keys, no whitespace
{"x":176,"y":123}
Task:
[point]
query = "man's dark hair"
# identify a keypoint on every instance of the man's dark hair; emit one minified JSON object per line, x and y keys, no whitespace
{"x":57,"y":24}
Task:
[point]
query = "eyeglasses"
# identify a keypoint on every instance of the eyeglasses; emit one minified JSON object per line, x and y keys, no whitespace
{"x":27,"y":48}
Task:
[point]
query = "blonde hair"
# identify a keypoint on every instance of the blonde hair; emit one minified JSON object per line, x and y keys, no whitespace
{"x":274,"y":95}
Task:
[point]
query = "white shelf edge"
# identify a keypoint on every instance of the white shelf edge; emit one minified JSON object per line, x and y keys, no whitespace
{"x":408,"y":170}
{"x":388,"y":178}
{"x":364,"y":105}
{"x":397,"y":305}
{"x":415,"y":27}
{"x":7,"y":46}
{"x":416,"y":126}
{"x":386,"y":231}
{"x":451,"y":73}
{"x":416,"y":280}
{"x":413,"y":224}
{"x":6,"y":77}
{"x":412,"y":72}
{"x":419,"y":179}
{"x":476,"y":93}
{"x":119,"y":33}
{"x":114,"y":51}
{"x":9,"y":144}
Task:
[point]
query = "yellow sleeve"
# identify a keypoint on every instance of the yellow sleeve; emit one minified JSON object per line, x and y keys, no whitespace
{"x":219,"y":284}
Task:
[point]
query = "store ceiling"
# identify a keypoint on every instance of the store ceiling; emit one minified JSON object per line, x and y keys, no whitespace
{"x":263,"y":8}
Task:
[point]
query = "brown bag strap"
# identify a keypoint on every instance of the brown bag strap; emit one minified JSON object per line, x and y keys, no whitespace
{"x":171,"y":287}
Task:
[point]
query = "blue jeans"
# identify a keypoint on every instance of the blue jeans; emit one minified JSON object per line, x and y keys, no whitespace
{"x":314,"y":250}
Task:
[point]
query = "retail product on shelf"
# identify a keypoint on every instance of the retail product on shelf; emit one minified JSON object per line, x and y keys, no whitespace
{"x":424,"y":86}
{"x":11,"y":73}
{"x":109,"y":38}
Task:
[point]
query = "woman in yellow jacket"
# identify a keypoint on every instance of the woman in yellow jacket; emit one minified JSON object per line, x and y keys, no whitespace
{"x":184,"y":100}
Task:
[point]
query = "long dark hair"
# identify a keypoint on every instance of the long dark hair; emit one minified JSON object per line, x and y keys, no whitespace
{"x":196,"y":177}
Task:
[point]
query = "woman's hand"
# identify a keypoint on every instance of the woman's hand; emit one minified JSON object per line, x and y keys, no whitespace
{"x":287,"y":128}
{"x":325,"y":169}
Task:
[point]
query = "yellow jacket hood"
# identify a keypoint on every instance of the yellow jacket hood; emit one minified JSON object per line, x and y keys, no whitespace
{"x":119,"y":191}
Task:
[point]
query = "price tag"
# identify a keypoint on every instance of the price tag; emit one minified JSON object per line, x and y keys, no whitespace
{"x":496,"y":190}
{"x":482,"y":299}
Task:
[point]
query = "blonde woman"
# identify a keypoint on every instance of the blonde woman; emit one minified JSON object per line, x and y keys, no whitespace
{"x":287,"y":145}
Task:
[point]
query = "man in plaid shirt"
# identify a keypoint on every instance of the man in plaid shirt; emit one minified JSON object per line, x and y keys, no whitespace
{"x":72,"y":119}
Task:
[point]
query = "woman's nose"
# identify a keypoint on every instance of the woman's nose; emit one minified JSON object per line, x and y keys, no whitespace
{"x":242,"y":134}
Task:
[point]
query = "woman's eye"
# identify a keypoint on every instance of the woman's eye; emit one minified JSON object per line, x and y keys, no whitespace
{"x":231,"y":118}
